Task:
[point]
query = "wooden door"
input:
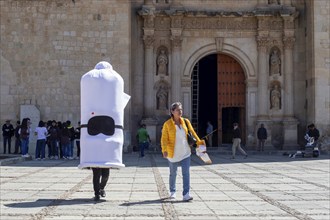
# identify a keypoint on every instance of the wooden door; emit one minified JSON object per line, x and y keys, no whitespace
{"x":231,"y":92}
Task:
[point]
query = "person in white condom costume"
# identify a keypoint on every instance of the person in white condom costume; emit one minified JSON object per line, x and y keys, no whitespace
{"x":102,"y":116}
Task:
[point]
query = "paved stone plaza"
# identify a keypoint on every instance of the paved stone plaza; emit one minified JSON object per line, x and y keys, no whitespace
{"x":259,"y":187}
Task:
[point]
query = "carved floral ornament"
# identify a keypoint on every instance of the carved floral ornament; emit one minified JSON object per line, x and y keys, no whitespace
{"x":288,"y":42}
{"x":148,"y":40}
{"x":176,"y":41}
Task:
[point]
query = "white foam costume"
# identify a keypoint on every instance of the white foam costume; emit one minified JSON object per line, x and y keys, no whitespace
{"x":102,"y":97}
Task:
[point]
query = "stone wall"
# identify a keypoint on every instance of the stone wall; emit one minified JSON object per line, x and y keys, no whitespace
{"x":46,"y":46}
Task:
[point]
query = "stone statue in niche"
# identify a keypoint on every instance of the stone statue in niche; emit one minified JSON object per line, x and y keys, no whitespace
{"x":162,"y":98}
{"x":162,"y":91}
{"x":275,"y":97}
{"x":162,"y":62}
{"x":275,"y":63}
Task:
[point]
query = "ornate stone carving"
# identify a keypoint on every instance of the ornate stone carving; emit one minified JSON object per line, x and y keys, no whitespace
{"x":149,"y":21}
{"x":176,"y":41}
{"x":220,"y":23}
{"x":263,"y":43}
{"x":288,"y":42}
{"x":176,"y":22}
{"x":148,"y":40}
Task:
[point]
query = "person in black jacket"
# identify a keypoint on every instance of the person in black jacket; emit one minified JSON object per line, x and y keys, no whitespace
{"x":17,"y":138}
{"x":313,"y":132}
{"x":7,"y":133}
{"x":237,"y":142}
{"x":262,"y":136}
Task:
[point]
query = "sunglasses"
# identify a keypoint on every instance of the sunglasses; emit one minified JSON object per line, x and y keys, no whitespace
{"x":101,"y":124}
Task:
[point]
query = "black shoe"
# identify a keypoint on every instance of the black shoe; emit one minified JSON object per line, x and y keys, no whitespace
{"x":102,"y":193}
{"x":97,"y":198}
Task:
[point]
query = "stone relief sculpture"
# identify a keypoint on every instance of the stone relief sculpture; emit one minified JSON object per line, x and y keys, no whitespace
{"x":275,"y":97}
{"x":162,"y":62}
{"x":162,"y":93}
{"x":274,"y":63}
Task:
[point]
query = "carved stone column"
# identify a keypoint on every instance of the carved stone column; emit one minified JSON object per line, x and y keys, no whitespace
{"x":262,"y":77}
{"x":148,"y":66}
{"x":176,"y":32}
{"x":288,"y":76}
{"x":290,"y":124}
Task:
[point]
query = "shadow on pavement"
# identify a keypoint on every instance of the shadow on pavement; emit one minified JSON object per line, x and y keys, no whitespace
{"x":52,"y":202}
{"x":163,"y":200}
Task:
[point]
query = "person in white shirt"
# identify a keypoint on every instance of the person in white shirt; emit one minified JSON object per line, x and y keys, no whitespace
{"x":41,"y":133}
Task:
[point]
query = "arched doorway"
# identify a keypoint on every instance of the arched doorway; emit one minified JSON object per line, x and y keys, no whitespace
{"x":218,"y":95}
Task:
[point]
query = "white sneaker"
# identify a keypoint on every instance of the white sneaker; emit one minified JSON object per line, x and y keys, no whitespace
{"x":172,"y":195}
{"x":187,"y":197}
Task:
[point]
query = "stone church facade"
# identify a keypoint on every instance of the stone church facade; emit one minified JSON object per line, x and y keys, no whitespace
{"x":271,"y":56}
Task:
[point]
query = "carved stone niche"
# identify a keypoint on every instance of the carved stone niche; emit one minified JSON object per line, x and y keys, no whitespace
{"x":162,"y":61}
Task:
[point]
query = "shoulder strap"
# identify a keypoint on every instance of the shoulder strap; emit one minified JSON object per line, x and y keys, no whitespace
{"x":186,"y":123}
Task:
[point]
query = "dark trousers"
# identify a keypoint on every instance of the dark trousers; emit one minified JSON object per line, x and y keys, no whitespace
{"x":6,"y":139}
{"x":17,"y":146}
{"x":78,"y":148}
{"x":100,"y":179}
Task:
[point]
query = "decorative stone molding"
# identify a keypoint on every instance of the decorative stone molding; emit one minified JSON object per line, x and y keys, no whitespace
{"x":288,"y":42}
{"x":176,"y":21}
{"x":248,"y":23}
{"x":263,"y":43}
{"x":148,"y":40}
{"x":219,"y":42}
{"x":149,"y":21}
{"x":176,"y":41}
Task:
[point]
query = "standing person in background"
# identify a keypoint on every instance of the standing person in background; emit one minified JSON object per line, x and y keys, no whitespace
{"x":209,"y":130}
{"x":143,"y":139}
{"x":17,"y":139}
{"x":59,"y":143}
{"x":53,"y":140}
{"x":7,"y":133}
{"x":24,"y":133}
{"x":262,"y":137}
{"x":237,"y":142}
{"x":71,"y":135}
{"x":176,"y":150}
{"x":65,"y":141}
{"x":77,"y":138}
{"x":41,"y":133}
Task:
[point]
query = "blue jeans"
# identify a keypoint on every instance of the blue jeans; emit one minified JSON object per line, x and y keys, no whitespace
{"x":66,"y":150}
{"x":143,"y":146}
{"x":40,"y":148}
{"x":185,"y":167}
{"x":24,"y":145}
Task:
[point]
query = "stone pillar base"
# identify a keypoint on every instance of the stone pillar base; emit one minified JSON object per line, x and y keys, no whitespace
{"x":290,"y":130}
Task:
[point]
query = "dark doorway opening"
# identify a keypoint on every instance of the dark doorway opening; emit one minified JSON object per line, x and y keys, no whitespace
{"x":208,"y":102}
{"x":230,"y":115}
